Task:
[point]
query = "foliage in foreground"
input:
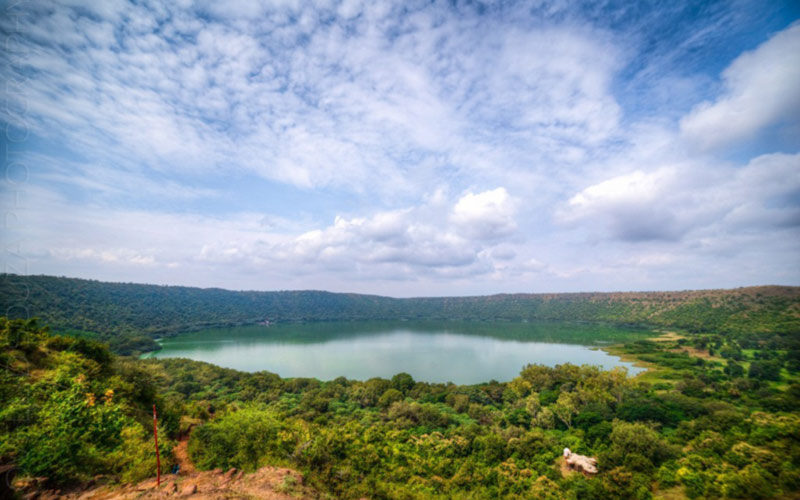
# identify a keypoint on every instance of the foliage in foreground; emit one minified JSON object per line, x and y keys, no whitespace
{"x":70,"y":410}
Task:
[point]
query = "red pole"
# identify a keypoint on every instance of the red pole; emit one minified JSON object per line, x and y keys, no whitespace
{"x":158,"y":456}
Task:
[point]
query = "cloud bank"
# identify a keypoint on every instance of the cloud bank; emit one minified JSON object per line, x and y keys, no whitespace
{"x":403,"y":148}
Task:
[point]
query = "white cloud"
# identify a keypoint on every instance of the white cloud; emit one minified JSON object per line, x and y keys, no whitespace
{"x":409,"y":244}
{"x":761,"y":89}
{"x":487,"y":215}
{"x":633,"y":207}
{"x":764,"y":194}
{"x":123,"y":256}
{"x":112,"y":182}
{"x":418,"y":239}
{"x":672,"y":201}
{"x":380,"y":103}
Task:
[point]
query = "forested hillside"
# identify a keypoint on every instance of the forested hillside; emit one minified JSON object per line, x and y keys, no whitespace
{"x":129,"y":315}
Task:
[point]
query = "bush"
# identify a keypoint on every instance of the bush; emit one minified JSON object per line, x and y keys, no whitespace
{"x":74,"y":435}
{"x":638,"y":444}
{"x":752,"y":482}
{"x":389,"y":397}
{"x":667,"y":474}
{"x":403,"y":382}
{"x":243,"y":439}
{"x":136,"y":458}
{"x":733,"y":369}
{"x":765,"y":370}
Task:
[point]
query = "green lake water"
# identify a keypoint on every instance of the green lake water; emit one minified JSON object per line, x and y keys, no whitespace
{"x":463,"y":353}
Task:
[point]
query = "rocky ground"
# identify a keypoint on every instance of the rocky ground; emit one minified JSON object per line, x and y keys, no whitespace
{"x":270,"y":483}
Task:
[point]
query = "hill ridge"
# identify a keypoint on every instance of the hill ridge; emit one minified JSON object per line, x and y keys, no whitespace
{"x":130,"y":315}
{"x":794,"y":288}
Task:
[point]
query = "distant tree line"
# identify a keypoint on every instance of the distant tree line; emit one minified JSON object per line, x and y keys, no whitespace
{"x":129,"y":316}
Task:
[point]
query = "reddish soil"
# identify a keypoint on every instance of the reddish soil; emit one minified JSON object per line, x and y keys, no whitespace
{"x":269,"y":483}
{"x":181,"y":454}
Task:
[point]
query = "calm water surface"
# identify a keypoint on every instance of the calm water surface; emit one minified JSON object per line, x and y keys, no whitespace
{"x":463,"y":353}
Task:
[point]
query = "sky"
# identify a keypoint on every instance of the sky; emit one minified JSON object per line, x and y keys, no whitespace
{"x":403,"y":148}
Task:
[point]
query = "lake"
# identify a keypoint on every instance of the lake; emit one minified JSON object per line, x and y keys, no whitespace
{"x":441,"y":351}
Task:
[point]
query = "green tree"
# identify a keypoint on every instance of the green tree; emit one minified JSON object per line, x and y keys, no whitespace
{"x":403,"y":382}
{"x":636,"y":445}
{"x":765,"y":370}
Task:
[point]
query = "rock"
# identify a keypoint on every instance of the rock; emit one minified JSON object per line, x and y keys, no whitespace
{"x":229,"y":476}
{"x":189,"y":489}
{"x":170,"y":487}
{"x":582,"y":463}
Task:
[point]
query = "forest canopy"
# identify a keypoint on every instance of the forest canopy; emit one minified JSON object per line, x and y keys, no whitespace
{"x":690,"y":427}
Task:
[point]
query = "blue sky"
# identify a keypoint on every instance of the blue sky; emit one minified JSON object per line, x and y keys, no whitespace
{"x":403,"y":148}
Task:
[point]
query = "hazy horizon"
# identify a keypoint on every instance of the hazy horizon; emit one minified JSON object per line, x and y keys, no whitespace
{"x":403,"y":149}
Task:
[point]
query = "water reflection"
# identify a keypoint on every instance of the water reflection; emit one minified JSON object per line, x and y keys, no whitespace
{"x":463,"y":353}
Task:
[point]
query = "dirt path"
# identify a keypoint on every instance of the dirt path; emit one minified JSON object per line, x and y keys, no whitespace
{"x":181,"y":454}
